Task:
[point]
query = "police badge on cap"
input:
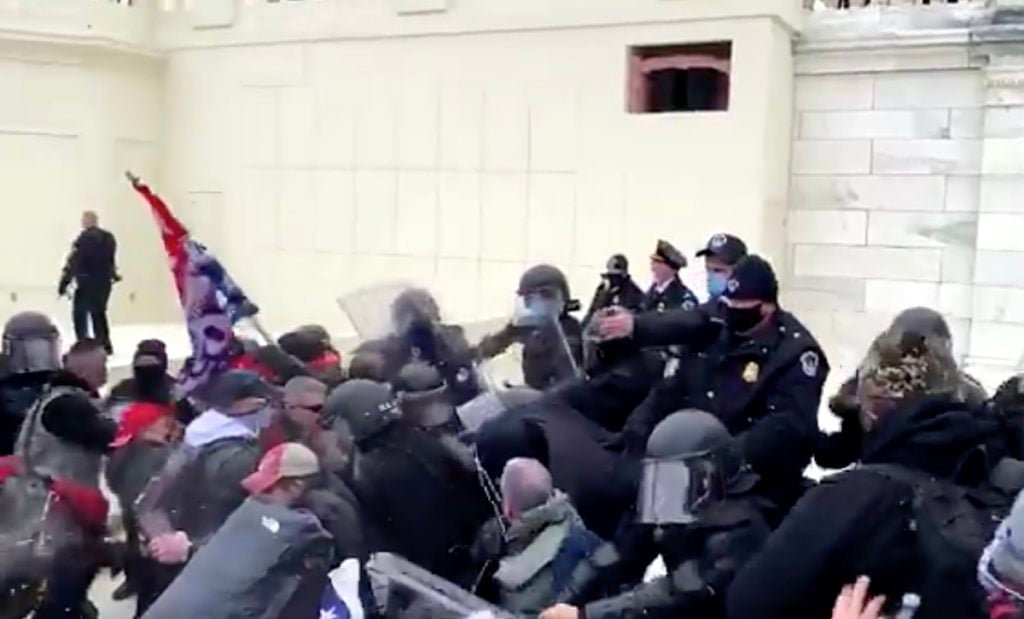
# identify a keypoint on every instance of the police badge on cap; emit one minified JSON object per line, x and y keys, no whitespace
{"x":666,"y":253}
{"x":726,"y":247}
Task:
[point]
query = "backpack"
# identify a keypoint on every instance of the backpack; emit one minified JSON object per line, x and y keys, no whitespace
{"x":953,"y":524}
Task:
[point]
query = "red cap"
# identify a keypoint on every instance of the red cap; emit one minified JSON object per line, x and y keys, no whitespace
{"x":288,"y":460}
{"x":135,"y":419}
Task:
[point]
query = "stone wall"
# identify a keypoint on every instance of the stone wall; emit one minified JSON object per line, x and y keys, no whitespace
{"x":905,"y":183}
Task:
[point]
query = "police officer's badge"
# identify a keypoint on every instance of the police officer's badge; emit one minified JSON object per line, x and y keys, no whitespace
{"x":751,"y":373}
{"x":717,"y":241}
{"x":809,"y":363}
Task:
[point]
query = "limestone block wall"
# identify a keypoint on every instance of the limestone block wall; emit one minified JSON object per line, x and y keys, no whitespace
{"x":905,"y":185}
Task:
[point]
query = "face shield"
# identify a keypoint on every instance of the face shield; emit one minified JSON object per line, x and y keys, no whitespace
{"x":31,"y":354}
{"x":540,"y":306}
{"x":674,"y":491}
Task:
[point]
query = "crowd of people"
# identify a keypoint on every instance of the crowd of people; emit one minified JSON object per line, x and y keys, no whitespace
{"x":658,"y":427}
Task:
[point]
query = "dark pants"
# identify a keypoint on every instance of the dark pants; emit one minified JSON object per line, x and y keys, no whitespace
{"x":67,"y":588}
{"x":90,"y":303}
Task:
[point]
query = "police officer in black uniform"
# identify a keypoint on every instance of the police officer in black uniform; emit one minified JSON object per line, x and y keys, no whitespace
{"x":617,"y":288}
{"x":721,"y":254}
{"x":92,"y":266}
{"x":699,"y":507}
{"x":667,"y":292}
{"x":761,"y":373}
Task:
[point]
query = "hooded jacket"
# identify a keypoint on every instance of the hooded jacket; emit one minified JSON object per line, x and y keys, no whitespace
{"x":859,"y":522}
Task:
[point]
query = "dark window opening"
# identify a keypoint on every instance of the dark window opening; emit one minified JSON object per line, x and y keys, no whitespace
{"x":679,"y":78}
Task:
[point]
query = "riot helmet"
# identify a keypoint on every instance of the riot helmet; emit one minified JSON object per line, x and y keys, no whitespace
{"x":365,"y":407}
{"x":31,"y":343}
{"x":690,"y":464}
{"x":423,"y":396}
{"x":545,"y":291}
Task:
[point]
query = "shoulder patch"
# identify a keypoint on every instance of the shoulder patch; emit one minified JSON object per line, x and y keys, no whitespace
{"x":809,"y":363}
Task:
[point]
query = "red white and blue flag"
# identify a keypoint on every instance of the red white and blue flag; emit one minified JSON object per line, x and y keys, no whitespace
{"x":211,"y":300}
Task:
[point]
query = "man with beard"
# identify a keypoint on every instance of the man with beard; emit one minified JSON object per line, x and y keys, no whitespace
{"x":31,"y":355}
{"x":404,"y":478}
{"x":926,"y":457}
{"x":699,"y":507}
{"x":421,"y":336}
{"x":762,"y":374}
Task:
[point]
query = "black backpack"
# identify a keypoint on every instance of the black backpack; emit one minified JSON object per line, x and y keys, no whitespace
{"x":953,"y":524}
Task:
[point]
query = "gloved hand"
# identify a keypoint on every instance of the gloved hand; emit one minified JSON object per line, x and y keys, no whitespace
{"x":171,"y":548}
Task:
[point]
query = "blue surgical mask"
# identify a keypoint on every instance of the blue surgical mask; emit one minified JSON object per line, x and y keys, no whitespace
{"x":716,"y":284}
{"x":544,"y":308}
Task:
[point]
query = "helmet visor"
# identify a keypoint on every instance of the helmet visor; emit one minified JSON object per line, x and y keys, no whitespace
{"x":32,"y":354}
{"x":675,"y":491}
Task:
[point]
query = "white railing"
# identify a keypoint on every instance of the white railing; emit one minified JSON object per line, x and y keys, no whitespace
{"x":853,"y":4}
{"x":127,"y":22}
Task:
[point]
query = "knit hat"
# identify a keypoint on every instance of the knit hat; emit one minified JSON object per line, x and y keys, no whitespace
{"x":151,"y":348}
{"x":898,"y":366}
{"x":286,"y":461}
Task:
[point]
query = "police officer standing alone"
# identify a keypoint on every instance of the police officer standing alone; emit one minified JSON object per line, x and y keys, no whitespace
{"x":92,"y":266}
{"x":667,"y":292}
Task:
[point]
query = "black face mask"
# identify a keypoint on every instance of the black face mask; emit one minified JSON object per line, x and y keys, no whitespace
{"x":615,"y":280}
{"x":742,"y":319}
{"x":149,"y":379}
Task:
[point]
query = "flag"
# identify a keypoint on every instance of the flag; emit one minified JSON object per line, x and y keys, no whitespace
{"x":341,"y":598}
{"x":211,"y":301}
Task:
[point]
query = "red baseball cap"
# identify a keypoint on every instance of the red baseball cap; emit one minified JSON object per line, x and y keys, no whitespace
{"x":287,"y":460}
{"x":135,"y":419}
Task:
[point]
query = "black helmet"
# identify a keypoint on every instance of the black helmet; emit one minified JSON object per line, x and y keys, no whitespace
{"x":544,"y":276}
{"x":414,"y":306}
{"x":423,"y":396}
{"x":31,"y":343}
{"x":365,"y":407}
{"x":691,"y":464}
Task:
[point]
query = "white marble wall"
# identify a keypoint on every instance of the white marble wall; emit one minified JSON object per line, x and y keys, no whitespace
{"x":905,"y":187}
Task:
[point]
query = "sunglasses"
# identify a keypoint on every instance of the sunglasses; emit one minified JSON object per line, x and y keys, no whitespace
{"x":315,"y":408}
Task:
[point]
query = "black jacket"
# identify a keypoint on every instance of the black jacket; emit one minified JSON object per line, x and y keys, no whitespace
{"x":575,"y":451}
{"x":443,"y":346}
{"x":545,"y":356}
{"x":92,"y":259}
{"x":18,"y":392}
{"x":675,"y":296}
{"x":859,"y":522}
{"x":424,"y":503}
{"x":765,"y":389}
{"x":75,"y":418}
{"x":700,"y":559}
{"x":625,"y":294}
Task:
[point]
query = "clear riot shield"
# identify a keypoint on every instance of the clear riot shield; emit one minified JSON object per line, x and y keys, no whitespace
{"x":403,"y":590}
{"x":369,"y":309}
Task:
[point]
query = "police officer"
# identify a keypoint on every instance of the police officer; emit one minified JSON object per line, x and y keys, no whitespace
{"x":92,"y":265}
{"x":699,"y":507}
{"x":551,"y":337}
{"x":721,"y":254}
{"x":617,"y":288}
{"x":31,"y":354}
{"x":667,"y":292}
{"x":761,"y":373}
{"x":406,"y":479}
